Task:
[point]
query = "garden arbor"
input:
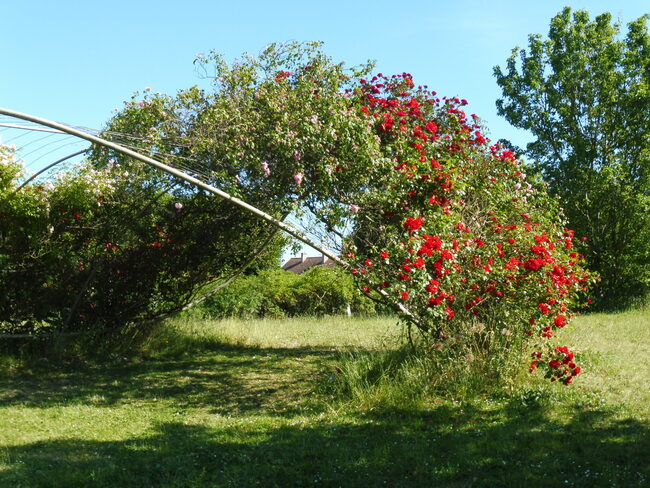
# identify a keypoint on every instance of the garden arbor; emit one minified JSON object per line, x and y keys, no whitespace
{"x":432,"y":219}
{"x":67,"y":317}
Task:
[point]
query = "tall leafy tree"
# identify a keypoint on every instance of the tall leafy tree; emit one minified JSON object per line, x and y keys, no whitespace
{"x":112,"y":245}
{"x":584,"y":94}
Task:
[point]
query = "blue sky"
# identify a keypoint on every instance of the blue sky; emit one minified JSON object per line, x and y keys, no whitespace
{"x":74,"y":61}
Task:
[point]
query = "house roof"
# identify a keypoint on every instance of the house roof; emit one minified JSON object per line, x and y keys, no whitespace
{"x":303,"y":263}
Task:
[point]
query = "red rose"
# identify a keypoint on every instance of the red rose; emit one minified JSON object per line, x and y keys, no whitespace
{"x":450,"y":313}
{"x":431,"y":127}
{"x":534,"y":264}
{"x":412,"y":224}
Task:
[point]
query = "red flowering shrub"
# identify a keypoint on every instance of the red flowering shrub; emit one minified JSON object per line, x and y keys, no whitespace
{"x":435,"y":221}
{"x":474,"y":254}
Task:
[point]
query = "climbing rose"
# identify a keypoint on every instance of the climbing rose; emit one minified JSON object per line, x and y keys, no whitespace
{"x":412,"y":224}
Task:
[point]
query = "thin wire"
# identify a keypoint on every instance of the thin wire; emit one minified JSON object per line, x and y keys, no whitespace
{"x":28,"y":126}
{"x":34,"y":142}
{"x":23,"y":127}
{"x":76,"y":141}
{"x":48,"y":167}
{"x":197,"y":167}
{"x":12,"y":139}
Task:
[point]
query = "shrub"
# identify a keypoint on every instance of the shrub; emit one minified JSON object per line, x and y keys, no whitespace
{"x":278,"y":293}
{"x":454,"y":234}
{"x":105,"y":251}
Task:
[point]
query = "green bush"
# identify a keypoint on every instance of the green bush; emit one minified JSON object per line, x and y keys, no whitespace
{"x":110,"y":246}
{"x":582,"y":93}
{"x":278,"y":293}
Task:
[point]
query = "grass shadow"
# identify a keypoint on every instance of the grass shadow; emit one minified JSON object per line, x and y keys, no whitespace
{"x":222,"y":378}
{"x":447,"y":445}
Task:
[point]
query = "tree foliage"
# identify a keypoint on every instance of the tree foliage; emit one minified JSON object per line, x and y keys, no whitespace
{"x":584,"y":94}
{"x":278,"y":293}
{"x":433,"y":220}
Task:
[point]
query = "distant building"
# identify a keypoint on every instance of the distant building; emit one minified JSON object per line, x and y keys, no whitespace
{"x":303,"y":263}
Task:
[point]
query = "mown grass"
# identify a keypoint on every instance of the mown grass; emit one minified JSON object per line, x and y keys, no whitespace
{"x":322,"y":402}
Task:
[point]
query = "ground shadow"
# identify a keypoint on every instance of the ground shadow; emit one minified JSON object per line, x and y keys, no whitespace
{"x":505,"y":443}
{"x":225,"y":379}
{"x":445,"y":446}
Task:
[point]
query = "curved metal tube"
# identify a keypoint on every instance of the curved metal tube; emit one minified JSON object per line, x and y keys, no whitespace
{"x":175,"y":172}
{"x":190,"y":179}
{"x":40,"y":172}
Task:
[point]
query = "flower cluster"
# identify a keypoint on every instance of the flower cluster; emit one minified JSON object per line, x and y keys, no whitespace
{"x":473,"y":244}
{"x":560,"y":365}
{"x":11,"y":169}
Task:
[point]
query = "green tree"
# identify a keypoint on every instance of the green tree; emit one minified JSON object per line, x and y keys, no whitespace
{"x":445,"y":227}
{"x":584,"y":94}
{"x":321,"y":290}
{"x":112,"y":244}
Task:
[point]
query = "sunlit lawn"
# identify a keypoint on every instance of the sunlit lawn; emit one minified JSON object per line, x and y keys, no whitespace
{"x":245,"y":404}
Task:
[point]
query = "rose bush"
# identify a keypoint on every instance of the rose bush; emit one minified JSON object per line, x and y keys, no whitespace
{"x":455,"y":235}
{"x":434,"y":221}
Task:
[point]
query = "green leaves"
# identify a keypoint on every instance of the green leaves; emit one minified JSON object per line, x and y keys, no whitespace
{"x":129,"y":243}
{"x":583,"y":94}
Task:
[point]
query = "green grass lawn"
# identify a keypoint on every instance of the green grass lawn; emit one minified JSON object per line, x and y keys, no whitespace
{"x":243,"y":404}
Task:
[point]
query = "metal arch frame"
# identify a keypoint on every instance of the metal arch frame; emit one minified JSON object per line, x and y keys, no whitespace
{"x":175,"y":172}
{"x":48,"y":167}
{"x":289,"y":229}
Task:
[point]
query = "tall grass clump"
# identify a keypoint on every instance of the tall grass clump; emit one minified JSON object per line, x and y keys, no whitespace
{"x":410,"y":372}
